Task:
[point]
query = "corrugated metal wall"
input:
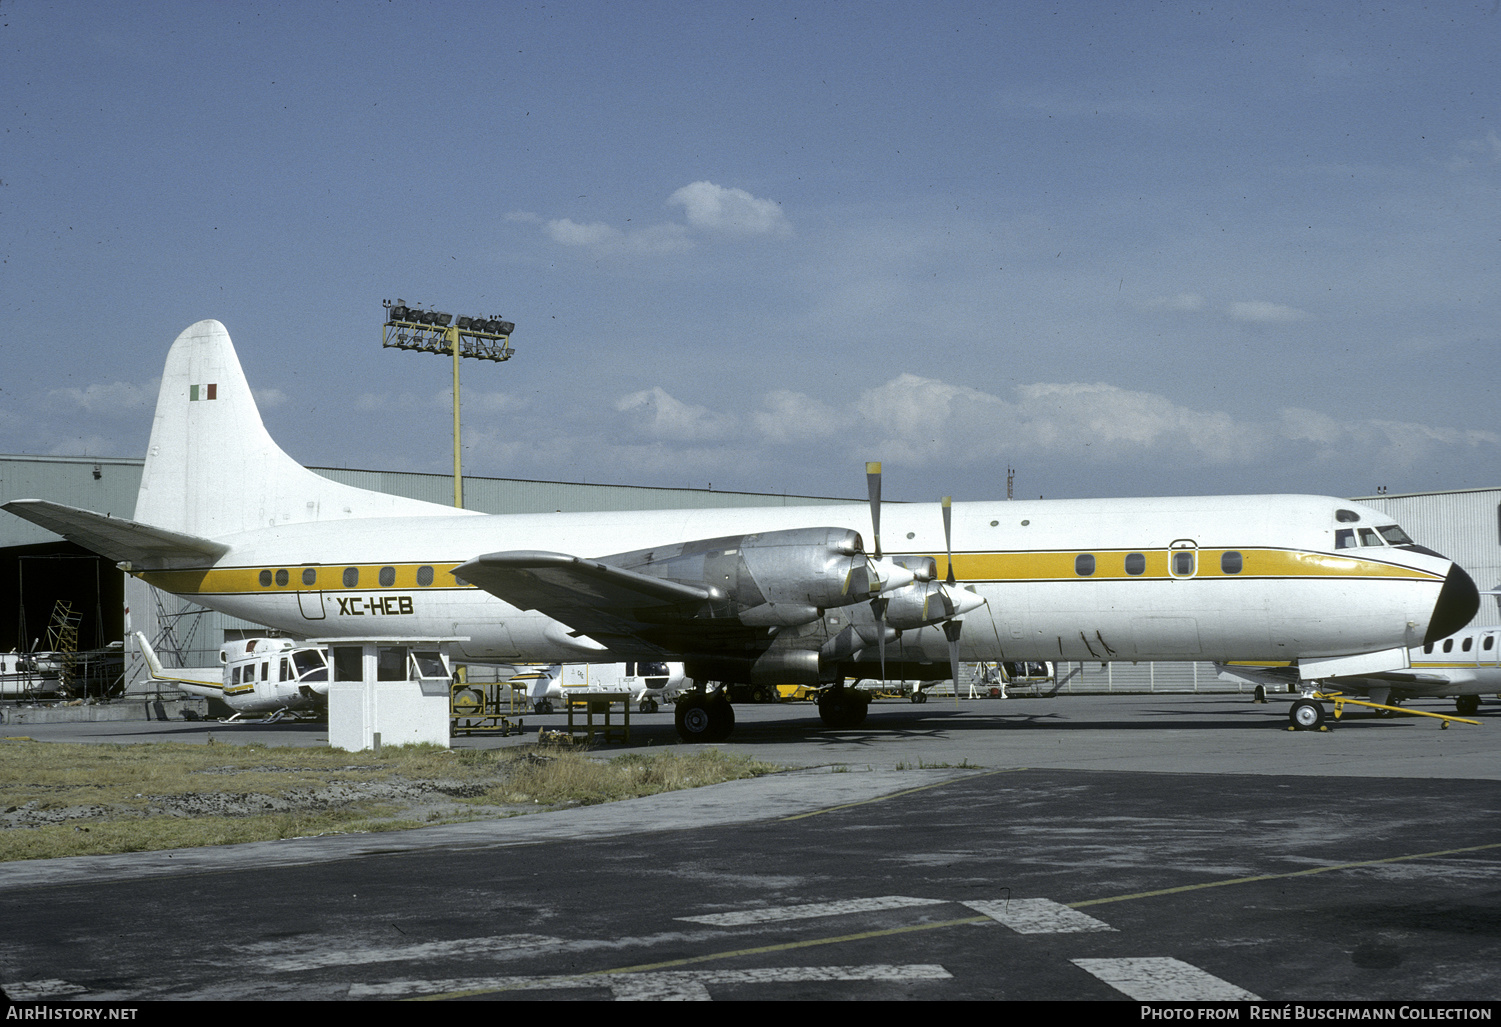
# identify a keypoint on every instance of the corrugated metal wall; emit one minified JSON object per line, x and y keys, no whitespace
{"x":1464,"y":525}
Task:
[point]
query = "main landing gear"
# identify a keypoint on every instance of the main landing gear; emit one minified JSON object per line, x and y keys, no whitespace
{"x":704,"y":716}
{"x":843,"y":708}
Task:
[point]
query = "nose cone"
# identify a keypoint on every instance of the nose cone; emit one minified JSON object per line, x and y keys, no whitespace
{"x":1458,"y":601}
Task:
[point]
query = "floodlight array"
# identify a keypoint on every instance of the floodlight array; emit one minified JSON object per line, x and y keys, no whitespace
{"x":433,"y":331}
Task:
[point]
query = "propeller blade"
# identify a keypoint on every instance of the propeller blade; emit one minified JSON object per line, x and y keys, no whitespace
{"x":951,"y":629}
{"x":878,"y":607}
{"x":873,"y":486}
{"x":948,"y":533}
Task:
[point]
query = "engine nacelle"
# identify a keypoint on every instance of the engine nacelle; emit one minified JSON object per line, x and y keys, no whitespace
{"x":774,"y":578}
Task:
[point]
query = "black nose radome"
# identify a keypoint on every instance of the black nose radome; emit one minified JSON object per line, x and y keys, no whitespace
{"x":1458,"y":601}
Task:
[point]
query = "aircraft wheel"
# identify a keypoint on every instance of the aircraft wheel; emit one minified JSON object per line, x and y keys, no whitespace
{"x":1259,"y":695}
{"x":919,"y":696}
{"x":721,"y":718}
{"x":702,"y":719}
{"x":1306,"y":715}
{"x":692,"y":719}
{"x":544,"y":706}
{"x":1467,"y":705}
{"x":840,"y":709}
{"x":648,"y":705}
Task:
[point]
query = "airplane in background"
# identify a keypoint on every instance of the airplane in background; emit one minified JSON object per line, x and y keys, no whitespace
{"x":646,"y":681}
{"x":1465,"y":665}
{"x":274,"y":676}
{"x":760,"y":596}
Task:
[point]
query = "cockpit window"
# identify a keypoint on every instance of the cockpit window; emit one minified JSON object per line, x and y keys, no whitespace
{"x":1346,"y":516}
{"x":1368,"y":537}
{"x":310,"y":665}
{"x":1344,"y":538}
{"x":1395,"y":536}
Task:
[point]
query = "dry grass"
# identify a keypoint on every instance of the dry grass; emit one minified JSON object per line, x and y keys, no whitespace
{"x":63,"y":799}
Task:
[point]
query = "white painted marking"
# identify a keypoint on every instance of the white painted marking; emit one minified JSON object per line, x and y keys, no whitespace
{"x":1164,"y":979}
{"x":359,"y":955}
{"x":669,"y":984}
{"x":812,"y":909}
{"x":33,"y":991}
{"x":1038,"y":916}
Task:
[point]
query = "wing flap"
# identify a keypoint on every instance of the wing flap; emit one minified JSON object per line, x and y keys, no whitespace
{"x":117,"y":538}
{"x":633,"y":614}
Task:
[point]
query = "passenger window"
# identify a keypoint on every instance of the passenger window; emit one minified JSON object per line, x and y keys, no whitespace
{"x":1428,"y":648}
{"x":1136,"y":564}
{"x":387,"y":577}
{"x":1084,"y":564}
{"x":1489,"y":642}
{"x":1368,"y":537}
{"x":424,"y":576}
{"x":309,"y":576}
{"x":281,"y":578}
{"x":1448,"y":645}
{"x":286,"y":669}
{"x":351,"y":577}
{"x":265,"y":579}
{"x":1468,"y":644}
{"x":1231,"y":563}
{"x":1344,"y":538}
{"x":1181,"y":561}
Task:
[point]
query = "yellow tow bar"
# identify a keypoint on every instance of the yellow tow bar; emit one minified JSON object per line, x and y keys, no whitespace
{"x":1340,"y":700}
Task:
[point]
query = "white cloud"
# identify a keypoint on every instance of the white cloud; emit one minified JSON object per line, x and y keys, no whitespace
{"x":110,"y":398}
{"x":662,"y":416}
{"x":1261,"y":312}
{"x":715,"y":208}
{"x":602,"y":238}
{"x":570,"y":233}
{"x":1183,"y":301}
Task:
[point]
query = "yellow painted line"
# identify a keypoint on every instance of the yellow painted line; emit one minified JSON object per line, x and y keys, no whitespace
{"x":1277,"y":877}
{"x":898,"y":795}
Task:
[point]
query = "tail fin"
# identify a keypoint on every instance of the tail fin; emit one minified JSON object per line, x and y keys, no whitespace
{"x":212,"y":469}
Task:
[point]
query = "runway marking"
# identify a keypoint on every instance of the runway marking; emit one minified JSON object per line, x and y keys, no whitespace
{"x":898,"y":795}
{"x":1163,"y":979}
{"x":682,"y":985}
{"x":1278,"y":877}
{"x":509,"y":944}
{"x":809,"y":910}
{"x":1038,"y":916}
{"x":34,"y":991}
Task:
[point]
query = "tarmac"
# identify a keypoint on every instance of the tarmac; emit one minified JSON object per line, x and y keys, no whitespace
{"x":1113,"y":848}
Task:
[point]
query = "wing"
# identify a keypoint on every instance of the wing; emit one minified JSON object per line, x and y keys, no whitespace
{"x":635,"y":614}
{"x":119,"y":539}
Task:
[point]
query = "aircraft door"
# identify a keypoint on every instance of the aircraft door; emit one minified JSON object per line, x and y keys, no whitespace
{"x":310,"y":602}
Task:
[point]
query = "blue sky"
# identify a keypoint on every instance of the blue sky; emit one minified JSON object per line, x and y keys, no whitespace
{"x":1137,"y":250}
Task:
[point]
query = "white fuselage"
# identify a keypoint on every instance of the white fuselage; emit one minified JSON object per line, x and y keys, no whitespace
{"x":1223,"y":578}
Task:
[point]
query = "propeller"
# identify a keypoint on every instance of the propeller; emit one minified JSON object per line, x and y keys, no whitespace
{"x":878,"y":604}
{"x":890,"y":584}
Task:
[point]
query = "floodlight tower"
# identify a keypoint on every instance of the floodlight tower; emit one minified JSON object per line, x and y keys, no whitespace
{"x":429,"y":331}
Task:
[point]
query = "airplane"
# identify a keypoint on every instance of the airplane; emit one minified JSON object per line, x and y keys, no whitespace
{"x":645,"y":681}
{"x":766,"y":595}
{"x":1465,"y":665}
{"x":274,"y":676}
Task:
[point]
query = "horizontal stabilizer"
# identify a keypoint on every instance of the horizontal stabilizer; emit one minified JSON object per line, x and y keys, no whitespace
{"x":119,"y":539}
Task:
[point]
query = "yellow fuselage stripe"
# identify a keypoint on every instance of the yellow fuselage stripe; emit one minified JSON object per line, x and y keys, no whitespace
{"x":1057,"y":566}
